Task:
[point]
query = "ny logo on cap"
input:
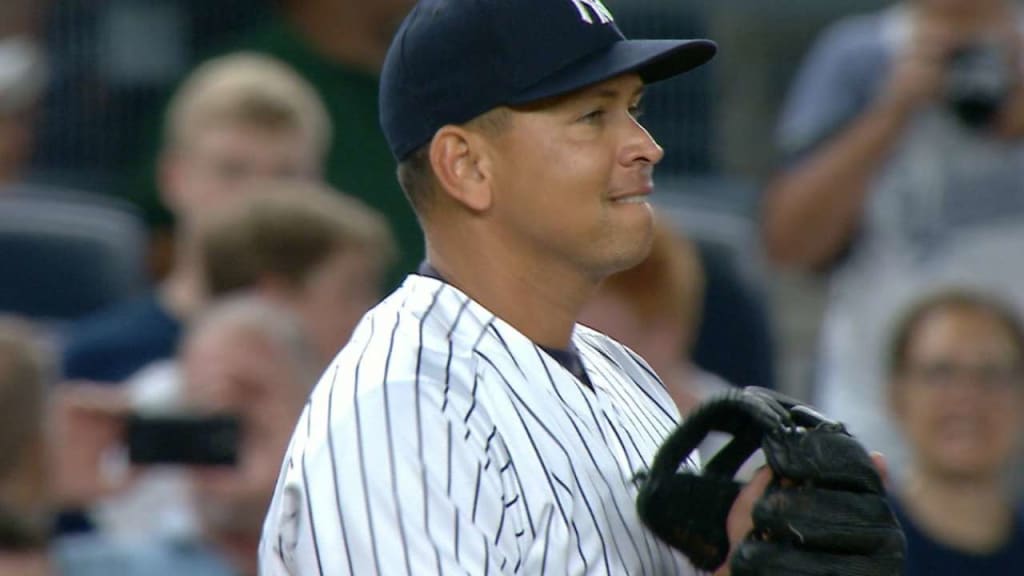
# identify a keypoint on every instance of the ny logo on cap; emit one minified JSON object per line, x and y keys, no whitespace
{"x":587,"y":6}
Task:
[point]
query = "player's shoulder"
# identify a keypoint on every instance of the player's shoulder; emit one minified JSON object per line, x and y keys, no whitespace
{"x":583,"y":334}
{"x":422,"y":319}
{"x":431,"y":314}
{"x":595,"y":344}
{"x":416,"y":346}
{"x":604,"y":344}
{"x":617,"y":364}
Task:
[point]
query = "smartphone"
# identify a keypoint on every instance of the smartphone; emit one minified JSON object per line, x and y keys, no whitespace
{"x":183,"y":439}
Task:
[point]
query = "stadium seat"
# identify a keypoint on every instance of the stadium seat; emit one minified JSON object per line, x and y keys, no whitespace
{"x":64,"y":254}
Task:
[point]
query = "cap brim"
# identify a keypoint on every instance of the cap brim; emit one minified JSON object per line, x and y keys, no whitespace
{"x":653,"y":60}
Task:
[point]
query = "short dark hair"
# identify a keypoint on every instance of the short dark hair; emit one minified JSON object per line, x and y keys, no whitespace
{"x":416,"y":178}
{"x":950,"y":299}
{"x":415,"y":174}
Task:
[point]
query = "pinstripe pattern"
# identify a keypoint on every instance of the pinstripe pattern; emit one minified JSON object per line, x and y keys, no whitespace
{"x":443,"y":441}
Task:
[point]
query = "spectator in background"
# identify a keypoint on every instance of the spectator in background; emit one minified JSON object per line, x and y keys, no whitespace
{"x":655,"y":308}
{"x":247,"y":357}
{"x":24,"y":499}
{"x":956,"y":388}
{"x":239,"y":119}
{"x":314,"y":251}
{"x":22,"y":80}
{"x":339,"y":47}
{"x":734,"y":339}
{"x":903,"y":167}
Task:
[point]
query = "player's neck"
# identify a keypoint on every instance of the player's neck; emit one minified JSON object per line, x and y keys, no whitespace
{"x":541,"y":302}
{"x":970,"y":515}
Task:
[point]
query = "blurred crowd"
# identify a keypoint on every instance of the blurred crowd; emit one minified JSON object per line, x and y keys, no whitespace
{"x":197,"y":206}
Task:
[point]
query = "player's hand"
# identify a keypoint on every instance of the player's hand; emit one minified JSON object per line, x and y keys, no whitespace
{"x":740,"y":522}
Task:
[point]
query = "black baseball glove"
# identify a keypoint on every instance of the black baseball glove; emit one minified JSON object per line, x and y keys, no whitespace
{"x":824,"y":514}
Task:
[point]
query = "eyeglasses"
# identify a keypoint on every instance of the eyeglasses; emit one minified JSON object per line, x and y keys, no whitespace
{"x":988,"y":378}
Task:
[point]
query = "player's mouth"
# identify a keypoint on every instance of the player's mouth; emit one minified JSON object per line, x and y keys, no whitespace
{"x":637,"y":196}
{"x":630,"y":200}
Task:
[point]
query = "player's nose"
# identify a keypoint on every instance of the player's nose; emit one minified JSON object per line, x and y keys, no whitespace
{"x":641,"y":147}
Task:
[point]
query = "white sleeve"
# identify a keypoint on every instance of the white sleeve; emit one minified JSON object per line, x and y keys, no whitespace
{"x":386,"y":486}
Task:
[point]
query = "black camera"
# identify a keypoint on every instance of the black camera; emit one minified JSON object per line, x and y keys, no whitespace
{"x":978,"y":82}
{"x":184,"y":439}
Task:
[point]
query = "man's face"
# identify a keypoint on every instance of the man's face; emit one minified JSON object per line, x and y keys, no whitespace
{"x":222,"y":162}
{"x":572,"y":177}
{"x":961,"y":400}
{"x":335,"y":296}
{"x":237,"y":371}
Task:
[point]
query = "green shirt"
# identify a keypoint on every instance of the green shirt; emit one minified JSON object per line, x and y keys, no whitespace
{"x":359,"y":161}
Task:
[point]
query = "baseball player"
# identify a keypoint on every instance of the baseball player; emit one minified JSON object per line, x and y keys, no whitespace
{"x":471,"y":426}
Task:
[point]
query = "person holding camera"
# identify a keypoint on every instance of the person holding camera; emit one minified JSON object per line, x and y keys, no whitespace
{"x":902,"y":166}
{"x":247,"y":365}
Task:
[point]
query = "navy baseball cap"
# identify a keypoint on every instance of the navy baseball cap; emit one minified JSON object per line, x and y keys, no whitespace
{"x":453,"y":60}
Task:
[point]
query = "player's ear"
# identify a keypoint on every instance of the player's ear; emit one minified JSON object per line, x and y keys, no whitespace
{"x":461,"y":168}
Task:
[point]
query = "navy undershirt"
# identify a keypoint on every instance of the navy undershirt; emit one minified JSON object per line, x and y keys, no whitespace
{"x":569,"y":358}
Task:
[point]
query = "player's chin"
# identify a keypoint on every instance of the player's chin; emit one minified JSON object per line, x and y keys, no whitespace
{"x":631,"y":244}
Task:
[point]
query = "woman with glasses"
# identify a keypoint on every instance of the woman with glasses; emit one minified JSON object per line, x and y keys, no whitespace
{"x":957,"y":392}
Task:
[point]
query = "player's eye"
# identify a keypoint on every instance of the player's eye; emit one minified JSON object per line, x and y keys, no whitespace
{"x":592,"y":117}
{"x":636,"y":111}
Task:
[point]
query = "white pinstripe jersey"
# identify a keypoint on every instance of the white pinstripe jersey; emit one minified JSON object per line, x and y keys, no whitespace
{"x":443,"y":441}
